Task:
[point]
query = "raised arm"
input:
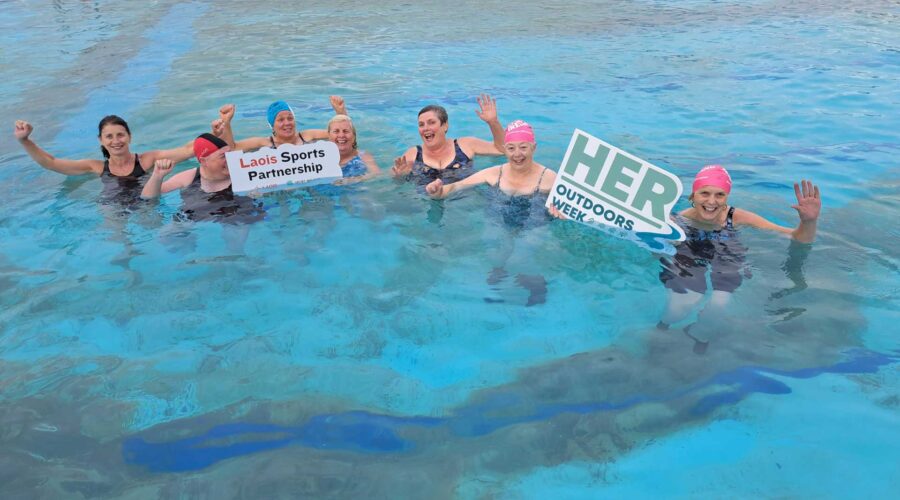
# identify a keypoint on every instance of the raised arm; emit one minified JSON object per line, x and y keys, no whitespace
{"x":22,"y":133}
{"x":155,"y":185}
{"x":808,"y":207}
{"x":436,"y":189}
{"x":319,"y":134}
{"x":221,"y":127}
{"x":338,"y":105}
{"x":487,"y":111}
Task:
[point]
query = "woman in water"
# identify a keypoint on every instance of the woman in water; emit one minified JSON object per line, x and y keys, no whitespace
{"x":524,"y":182}
{"x":711,"y":229}
{"x":283,"y":123}
{"x":440,"y":157}
{"x":519,"y":191}
{"x":356,"y":165}
{"x":120,"y":164}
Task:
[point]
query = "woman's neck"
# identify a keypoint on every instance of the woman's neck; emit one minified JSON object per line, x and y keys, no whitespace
{"x":121,"y":160}
{"x":349,"y":155}
{"x":439,"y":150}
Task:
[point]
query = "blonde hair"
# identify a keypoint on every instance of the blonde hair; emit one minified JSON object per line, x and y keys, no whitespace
{"x":343,"y":118}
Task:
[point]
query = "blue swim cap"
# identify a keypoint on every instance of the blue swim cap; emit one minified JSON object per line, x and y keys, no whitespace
{"x":275,"y":108}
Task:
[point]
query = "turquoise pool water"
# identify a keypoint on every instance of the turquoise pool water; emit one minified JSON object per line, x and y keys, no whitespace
{"x":347,"y":350}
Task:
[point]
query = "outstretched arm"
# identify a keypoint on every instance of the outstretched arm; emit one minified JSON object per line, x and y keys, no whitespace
{"x":437,"y":189}
{"x":22,"y":133}
{"x":808,"y":206}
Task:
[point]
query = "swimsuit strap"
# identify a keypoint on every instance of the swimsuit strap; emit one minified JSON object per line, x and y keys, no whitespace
{"x":499,"y":176}
{"x":538,"y":187}
{"x":302,"y":140}
{"x":136,"y":171}
{"x":419,"y":155}
{"x":729,"y":222}
{"x":196,"y":179}
{"x":272,"y":141}
{"x":457,"y":150}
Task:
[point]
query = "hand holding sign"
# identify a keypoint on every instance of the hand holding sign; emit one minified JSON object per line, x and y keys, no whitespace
{"x":556,"y":213}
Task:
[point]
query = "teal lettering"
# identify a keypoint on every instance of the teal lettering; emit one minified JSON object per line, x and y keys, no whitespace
{"x":578,"y":154}
{"x":658,"y":201}
{"x":617,"y":175}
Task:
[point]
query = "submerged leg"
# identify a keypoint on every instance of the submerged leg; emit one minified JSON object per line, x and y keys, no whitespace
{"x":712,"y":318}
{"x":536,"y":286}
{"x":678,"y":307}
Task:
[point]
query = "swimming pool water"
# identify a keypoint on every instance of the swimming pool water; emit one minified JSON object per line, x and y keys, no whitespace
{"x":348,"y":349}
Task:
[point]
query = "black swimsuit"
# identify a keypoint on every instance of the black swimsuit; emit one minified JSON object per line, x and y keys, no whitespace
{"x":517,"y":209}
{"x":720,"y":251}
{"x":122,"y":190}
{"x":272,"y":140}
{"x":457,"y":170}
{"x":224,"y":205}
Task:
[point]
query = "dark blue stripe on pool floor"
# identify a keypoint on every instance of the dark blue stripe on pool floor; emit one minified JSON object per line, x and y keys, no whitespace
{"x":365,"y":432}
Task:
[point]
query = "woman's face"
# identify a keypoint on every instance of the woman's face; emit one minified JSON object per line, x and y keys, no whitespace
{"x":431,"y":129}
{"x":115,"y":139}
{"x":285,"y":127}
{"x":710,"y":202}
{"x":216,"y":167}
{"x":520,"y":153}
{"x":341,"y":133}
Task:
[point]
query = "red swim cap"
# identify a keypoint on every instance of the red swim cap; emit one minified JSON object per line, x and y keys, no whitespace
{"x":206,"y":144}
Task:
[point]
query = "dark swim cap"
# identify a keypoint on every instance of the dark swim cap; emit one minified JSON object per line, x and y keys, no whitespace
{"x":206,"y":144}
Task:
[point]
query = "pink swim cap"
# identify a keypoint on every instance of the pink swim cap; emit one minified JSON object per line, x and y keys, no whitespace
{"x":519,"y":131}
{"x":712,"y":175}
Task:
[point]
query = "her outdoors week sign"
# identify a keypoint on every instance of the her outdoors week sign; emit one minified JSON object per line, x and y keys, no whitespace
{"x":600,"y":185}
{"x":285,"y":167}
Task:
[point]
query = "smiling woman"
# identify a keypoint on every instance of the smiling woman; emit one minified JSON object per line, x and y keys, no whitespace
{"x":283,"y":122}
{"x":115,"y":139}
{"x":710,"y":226}
{"x":356,"y":165}
{"x":440,"y":157}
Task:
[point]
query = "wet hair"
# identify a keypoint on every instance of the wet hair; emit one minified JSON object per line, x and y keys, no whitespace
{"x":343,"y":118}
{"x":110,"y":120}
{"x":438,"y":110}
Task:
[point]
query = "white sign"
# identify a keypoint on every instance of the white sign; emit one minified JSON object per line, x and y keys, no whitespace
{"x":286,"y":167}
{"x":601,"y":185}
